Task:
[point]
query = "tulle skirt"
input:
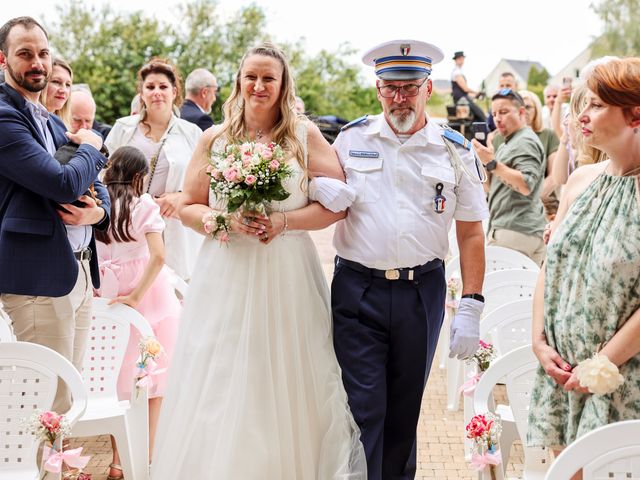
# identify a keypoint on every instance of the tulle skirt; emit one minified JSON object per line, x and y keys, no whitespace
{"x":255,"y":390}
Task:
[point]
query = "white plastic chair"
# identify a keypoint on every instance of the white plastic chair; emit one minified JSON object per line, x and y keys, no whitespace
{"x":518,"y":369}
{"x":127,"y":421}
{"x":504,"y":286}
{"x":611,"y":451}
{"x":496,"y":259}
{"x":507,"y":328}
{"x":29,"y":376}
{"x":6,"y":331}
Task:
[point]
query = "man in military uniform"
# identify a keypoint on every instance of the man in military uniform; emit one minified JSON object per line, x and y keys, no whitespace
{"x":412,"y":178}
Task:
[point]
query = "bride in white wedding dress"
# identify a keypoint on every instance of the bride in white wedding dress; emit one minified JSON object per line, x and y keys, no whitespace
{"x":255,"y":390}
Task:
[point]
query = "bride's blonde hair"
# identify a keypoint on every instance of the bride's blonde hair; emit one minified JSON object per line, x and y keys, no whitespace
{"x":234,"y":128}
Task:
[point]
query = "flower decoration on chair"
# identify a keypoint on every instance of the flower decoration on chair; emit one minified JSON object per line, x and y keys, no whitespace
{"x":246,"y":176}
{"x":599,"y":375}
{"x":146,"y":366}
{"x":51,"y":427}
{"x":482,"y":358}
{"x":454,"y":287}
{"x":484,"y":431}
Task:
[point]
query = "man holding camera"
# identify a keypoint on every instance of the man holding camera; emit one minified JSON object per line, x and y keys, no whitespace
{"x":516,"y":172}
{"x":46,"y":235}
{"x":412,"y":179}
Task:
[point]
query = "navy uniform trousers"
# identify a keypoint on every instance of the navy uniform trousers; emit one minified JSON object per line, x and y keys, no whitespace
{"x":385,"y":336}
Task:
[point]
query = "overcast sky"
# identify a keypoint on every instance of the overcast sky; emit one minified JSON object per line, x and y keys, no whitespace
{"x":549,"y":31}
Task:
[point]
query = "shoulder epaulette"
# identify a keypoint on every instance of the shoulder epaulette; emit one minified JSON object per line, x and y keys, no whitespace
{"x":358,"y":121}
{"x":456,"y":137}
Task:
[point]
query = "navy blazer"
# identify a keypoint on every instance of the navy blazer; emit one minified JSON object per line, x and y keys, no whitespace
{"x":192,"y":113}
{"x":35,"y":254}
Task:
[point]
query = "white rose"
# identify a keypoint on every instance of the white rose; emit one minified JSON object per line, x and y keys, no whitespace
{"x":599,"y":375}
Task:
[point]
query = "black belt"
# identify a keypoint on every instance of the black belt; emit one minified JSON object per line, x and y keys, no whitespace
{"x":394,"y":273}
{"x":83,"y":254}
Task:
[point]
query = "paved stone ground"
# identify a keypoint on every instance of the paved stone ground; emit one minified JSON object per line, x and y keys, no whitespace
{"x":440,"y":432}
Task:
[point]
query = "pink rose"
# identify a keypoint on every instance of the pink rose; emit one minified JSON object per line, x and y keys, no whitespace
{"x":231,"y":175}
{"x":267,"y":153}
{"x":484,"y":344}
{"x":250,"y":179}
{"x":224,"y":237}
{"x":50,"y":420}
{"x":217,"y":174}
{"x":274,"y":165}
{"x":478,"y":426}
{"x":208,"y":227}
{"x":209,"y":168}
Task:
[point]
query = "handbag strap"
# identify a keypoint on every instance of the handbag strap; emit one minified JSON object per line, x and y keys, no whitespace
{"x":153,"y":161}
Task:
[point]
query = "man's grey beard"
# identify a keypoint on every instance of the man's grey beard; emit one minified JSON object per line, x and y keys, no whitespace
{"x":403,"y":123}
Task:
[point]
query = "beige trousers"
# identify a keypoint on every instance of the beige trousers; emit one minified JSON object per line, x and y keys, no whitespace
{"x":60,"y":323}
{"x":530,"y":245}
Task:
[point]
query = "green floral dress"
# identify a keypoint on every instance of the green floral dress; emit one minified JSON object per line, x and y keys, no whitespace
{"x":592,"y":286}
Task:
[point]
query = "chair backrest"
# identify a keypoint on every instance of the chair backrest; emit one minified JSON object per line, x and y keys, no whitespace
{"x":28,"y":381}
{"x":107,"y":344}
{"x":496,"y":258}
{"x":504,"y":286}
{"x":517,"y":368}
{"x":508,"y":326}
{"x":6,"y":332}
{"x":611,"y":451}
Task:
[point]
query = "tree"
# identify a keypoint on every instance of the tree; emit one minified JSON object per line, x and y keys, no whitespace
{"x":537,"y":80}
{"x":107,"y":54}
{"x":621,"y":33}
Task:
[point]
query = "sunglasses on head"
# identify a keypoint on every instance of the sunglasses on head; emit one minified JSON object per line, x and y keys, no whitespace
{"x":509,"y":93}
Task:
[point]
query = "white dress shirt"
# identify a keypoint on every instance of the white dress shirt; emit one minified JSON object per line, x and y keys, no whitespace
{"x":393,"y":222}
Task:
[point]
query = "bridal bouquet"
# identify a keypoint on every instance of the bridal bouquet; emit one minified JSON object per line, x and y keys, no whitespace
{"x":51,"y":428}
{"x":484,"y":431}
{"x":247,"y":176}
{"x":146,"y":366}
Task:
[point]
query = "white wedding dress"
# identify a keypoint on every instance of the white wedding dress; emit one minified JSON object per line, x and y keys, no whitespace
{"x":255,"y":390}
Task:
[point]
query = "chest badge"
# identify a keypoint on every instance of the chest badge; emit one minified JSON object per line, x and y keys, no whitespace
{"x":439,"y":200}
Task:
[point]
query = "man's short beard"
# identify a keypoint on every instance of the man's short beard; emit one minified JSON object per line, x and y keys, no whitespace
{"x":403,"y":123}
{"x":24,"y":83}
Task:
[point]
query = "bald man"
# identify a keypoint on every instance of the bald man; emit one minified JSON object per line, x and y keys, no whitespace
{"x":83,"y":110}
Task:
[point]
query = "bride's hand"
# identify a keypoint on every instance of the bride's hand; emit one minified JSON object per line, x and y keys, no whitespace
{"x":242,"y":222}
{"x":274,"y":226}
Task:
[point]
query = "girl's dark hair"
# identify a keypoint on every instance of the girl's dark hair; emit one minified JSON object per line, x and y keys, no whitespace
{"x":124,"y":179}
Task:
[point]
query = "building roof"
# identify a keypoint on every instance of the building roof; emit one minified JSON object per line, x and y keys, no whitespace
{"x":522,"y":67}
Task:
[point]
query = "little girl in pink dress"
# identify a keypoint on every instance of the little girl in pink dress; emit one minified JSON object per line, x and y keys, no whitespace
{"x":132,"y":271}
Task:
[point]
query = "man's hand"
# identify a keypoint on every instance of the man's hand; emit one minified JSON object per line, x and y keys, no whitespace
{"x":169,"y":204}
{"x":485,"y":154}
{"x":84,"y":136}
{"x":89,"y":215}
{"x":465,"y":328}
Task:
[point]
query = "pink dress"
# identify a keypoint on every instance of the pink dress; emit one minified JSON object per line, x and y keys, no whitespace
{"x":121,"y":267}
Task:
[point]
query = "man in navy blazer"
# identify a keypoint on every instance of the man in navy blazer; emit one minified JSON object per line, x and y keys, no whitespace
{"x":47,"y":262}
{"x":201,"y":87}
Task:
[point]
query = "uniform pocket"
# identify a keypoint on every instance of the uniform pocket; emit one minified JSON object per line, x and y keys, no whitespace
{"x":432,"y":176}
{"x":365,"y":175}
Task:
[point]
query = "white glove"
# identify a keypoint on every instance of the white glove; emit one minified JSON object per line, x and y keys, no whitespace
{"x":332,"y":194}
{"x":465,"y":328}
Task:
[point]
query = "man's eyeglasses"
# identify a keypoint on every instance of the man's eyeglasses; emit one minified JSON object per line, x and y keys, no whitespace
{"x":408,"y":90}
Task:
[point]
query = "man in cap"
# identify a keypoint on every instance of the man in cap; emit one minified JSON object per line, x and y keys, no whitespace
{"x":412,"y":178}
{"x":460,"y":88}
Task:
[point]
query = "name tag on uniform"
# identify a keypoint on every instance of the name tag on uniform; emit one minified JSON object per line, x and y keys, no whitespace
{"x":363,"y":154}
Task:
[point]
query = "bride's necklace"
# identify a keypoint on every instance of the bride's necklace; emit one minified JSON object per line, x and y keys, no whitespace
{"x":602,"y":190}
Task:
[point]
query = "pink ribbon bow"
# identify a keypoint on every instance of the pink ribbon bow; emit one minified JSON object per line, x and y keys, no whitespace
{"x":480,"y":462}
{"x":144,"y":374}
{"x":469,"y":386}
{"x":53,"y":462}
{"x":109,"y":273}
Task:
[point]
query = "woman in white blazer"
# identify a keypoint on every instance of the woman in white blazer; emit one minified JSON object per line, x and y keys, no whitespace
{"x":168,"y":143}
